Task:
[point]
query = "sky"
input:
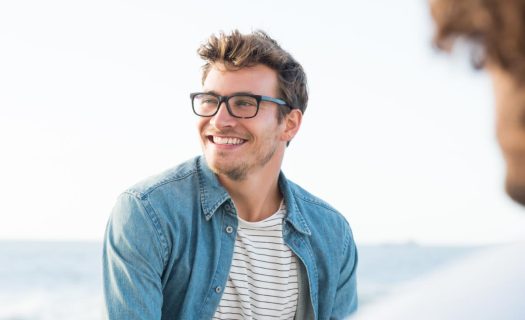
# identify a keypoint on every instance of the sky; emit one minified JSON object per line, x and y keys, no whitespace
{"x":94,"y":97}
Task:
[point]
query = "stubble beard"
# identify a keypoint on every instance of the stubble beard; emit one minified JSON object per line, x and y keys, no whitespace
{"x":240,"y":171}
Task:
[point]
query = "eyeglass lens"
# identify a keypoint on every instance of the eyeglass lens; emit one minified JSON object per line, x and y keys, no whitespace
{"x":240,"y":106}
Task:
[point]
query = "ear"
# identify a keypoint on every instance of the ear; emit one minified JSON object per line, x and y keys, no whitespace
{"x":292,"y":123}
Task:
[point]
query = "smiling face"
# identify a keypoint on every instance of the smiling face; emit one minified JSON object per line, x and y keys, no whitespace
{"x":236,"y":147}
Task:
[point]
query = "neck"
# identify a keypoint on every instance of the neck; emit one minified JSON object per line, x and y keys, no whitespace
{"x":257,"y":196}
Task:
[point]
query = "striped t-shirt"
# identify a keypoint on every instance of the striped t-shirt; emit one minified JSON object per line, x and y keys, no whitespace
{"x":263,"y":277}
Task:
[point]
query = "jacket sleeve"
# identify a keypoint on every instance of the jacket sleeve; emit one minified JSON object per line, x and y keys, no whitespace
{"x":346,"y":295}
{"x":133,"y":262}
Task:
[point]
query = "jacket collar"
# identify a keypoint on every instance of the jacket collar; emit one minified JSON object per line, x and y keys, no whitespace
{"x":293,"y":213}
{"x":213,"y":195}
{"x":211,"y":192}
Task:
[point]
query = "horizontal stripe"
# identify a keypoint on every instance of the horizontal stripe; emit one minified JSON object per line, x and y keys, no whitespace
{"x":261,"y":306}
{"x":267,"y":242}
{"x":274,"y":256}
{"x":271,"y":315}
{"x":264,"y":234}
{"x":282,"y":248}
{"x":278,"y":216}
{"x":277,"y":227}
{"x":246,"y":258}
{"x":243,"y":262}
{"x":263,"y":275}
{"x":245,"y":298}
{"x":255,"y":279}
{"x":251,"y":286}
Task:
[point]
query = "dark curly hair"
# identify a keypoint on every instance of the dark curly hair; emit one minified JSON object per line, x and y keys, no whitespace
{"x":495,"y":28}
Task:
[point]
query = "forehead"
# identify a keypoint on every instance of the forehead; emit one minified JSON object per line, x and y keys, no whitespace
{"x":258,"y":79}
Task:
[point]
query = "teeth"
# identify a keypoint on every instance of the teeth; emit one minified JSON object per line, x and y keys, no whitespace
{"x":225,"y":140}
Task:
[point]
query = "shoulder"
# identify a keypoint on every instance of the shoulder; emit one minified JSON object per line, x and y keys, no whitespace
{"x":308,"y":199}
{"x":153,"y":205}
{"x":179,"y":175}
{"x":318,"y":213}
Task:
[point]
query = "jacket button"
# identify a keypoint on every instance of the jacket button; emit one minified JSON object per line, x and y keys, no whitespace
{"x":227,"y":207}
{"x":229,"y":229}
{"x":218,"y":289}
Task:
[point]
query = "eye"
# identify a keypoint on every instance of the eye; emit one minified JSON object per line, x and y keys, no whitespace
{"x":205,"y":99}
{"x":242,"y":101}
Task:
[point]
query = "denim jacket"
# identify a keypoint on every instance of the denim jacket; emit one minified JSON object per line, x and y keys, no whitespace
{"x":169,"y":244}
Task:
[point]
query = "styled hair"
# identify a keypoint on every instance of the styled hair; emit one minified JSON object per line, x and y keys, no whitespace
{"x":494,"y":28}
{"x":236,"y":51}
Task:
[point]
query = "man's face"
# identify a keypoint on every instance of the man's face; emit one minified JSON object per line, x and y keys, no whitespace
{"x":510,"y":124}
{"x":236,"y":147}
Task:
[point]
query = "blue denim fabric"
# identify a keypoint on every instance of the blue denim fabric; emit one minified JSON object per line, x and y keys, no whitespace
{"x":169,"y":244}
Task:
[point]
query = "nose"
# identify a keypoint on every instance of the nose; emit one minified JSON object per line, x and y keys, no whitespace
{"x":222,"y":118}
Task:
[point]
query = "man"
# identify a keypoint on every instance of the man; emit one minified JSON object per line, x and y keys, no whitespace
{"x":226,"y":235}
{"x":499,"y":28}
{"x":490,"y":285}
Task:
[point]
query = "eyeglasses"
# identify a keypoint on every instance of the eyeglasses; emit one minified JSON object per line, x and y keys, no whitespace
{"x":239,"y":105}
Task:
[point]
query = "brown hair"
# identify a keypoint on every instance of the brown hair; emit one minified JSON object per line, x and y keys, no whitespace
{"x":236,"y":51}
{"x":495,"y":27}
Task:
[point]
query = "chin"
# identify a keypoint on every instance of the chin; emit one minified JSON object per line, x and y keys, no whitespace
{"x":516,"y":191}
{"x":230,"y":169}
{"x":515,"y":178}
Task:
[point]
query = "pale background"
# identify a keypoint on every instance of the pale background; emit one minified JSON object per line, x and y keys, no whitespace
{"x":94,"y":97}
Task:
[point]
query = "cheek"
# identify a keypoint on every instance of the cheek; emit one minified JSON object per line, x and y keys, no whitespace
{"x":201,"y":124}
{"x":511,"y":137}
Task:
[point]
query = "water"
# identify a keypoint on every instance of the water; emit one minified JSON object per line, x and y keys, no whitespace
{"x":63,"y":280}
{"x":50,"y":280}
{"x":383,"y":267}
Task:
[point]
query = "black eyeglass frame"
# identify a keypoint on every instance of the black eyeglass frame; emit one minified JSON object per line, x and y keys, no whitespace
{"x":225,"y":99}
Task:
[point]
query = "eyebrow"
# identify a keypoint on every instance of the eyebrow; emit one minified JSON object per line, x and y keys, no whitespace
{"x":235,"y":93}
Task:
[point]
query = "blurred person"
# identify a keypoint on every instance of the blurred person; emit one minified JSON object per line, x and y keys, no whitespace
{"x":226,"y":235}
{"x":490,"y":285}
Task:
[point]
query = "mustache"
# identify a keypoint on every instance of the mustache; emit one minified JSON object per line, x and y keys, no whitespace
{"x":226,"y":132}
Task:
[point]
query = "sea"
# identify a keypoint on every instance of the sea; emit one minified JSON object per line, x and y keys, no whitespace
{"x":45,"y":280}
